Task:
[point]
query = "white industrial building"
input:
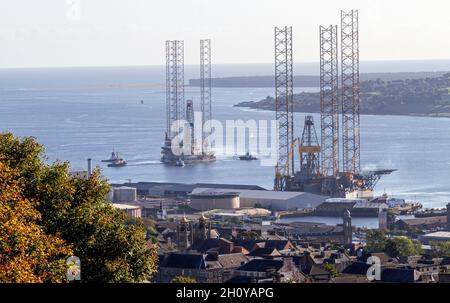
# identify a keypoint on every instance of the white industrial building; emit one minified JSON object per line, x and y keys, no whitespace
{"x":276,"y":200}
{"x":438,"y":236}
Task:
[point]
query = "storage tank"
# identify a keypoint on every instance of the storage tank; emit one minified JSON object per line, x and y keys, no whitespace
{"x":215,"y":200}
{"x":125,"y":194}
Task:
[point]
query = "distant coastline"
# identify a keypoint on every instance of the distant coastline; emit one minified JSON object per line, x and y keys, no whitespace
{"x":310,"y":80}
{"x":428,"y":97}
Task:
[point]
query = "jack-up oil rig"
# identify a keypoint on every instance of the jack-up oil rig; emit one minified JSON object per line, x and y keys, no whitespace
{"x":179,"y":110}
{"x":320,"y":171}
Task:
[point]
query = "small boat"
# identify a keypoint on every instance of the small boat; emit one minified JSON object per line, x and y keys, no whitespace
{"x":114,"y":157}
{"x":247,"y":156}
{"x":117,"y":163}
{"x":179,"y":163}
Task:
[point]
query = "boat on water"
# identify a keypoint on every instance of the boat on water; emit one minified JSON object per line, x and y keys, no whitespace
{"x":114,"y":157}
{"x":247,"y":156}
{"x":180,"y":163}
{"x":117,"y":163}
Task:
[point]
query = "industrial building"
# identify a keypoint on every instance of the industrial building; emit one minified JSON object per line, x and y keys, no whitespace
{"x":426,"y":223}
{"x":439,"y":236}
{"x":275,"y":200}
{"x":359,"y":207}
{"x":181,"y":190}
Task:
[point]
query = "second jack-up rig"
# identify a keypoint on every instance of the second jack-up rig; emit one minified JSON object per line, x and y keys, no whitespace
{"x":320,"y":171}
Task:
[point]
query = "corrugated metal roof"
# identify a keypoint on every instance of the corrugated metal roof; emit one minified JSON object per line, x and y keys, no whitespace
{"x":125,"y":206}
{"x":439,"y":234}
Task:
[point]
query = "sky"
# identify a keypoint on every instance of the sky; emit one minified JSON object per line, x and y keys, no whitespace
{"x":54,"y":33}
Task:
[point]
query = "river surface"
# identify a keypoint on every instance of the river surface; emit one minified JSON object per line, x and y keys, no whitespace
{"x":88,"y":112}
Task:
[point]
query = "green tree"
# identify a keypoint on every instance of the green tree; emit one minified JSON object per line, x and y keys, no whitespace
{"x":376,"y":241}
{"x":75,"y":209}
{"x":440,"y":249}
{"x":181,"y":279}
{"x":27,"y":254}
{"x":402,"y":247}
{"x":331,"y":269}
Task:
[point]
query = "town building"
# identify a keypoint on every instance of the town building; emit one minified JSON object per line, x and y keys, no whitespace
{"x":194,"y":266}
{"x":267,"y":270}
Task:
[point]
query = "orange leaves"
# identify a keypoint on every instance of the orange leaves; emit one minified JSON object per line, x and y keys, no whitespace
{"x":27,"y":254}
{"x":41,"y":205}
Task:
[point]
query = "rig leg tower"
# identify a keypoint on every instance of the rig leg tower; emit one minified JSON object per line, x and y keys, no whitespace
{"x":284,"y":169}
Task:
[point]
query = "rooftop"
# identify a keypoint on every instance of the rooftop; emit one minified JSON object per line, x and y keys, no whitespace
{"x":261,"y":265}
{"x":438,"y":234}
{"x":215,"y":194}
{"x":257,"y":194}
{"x":232,"y":260}
{"x":186,"y":187}
{"x":180,"y":260}
{"x":125,"y":206}
{"x":425,"y":220}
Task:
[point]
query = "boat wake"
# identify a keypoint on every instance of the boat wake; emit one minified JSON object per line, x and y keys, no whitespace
{"x":142,"y":163}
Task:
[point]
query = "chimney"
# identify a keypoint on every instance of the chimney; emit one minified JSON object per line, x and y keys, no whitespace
{"x":89,"y":167}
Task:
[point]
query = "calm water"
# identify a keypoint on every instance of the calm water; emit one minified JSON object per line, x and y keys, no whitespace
{"x":86,"y":113}
{"x":358,"y":222}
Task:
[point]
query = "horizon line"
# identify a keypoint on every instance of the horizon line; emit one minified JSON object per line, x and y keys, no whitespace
{"x":194,"y":64}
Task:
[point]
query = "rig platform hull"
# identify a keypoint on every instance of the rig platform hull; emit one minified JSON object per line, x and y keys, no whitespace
{"x":187,"y":159}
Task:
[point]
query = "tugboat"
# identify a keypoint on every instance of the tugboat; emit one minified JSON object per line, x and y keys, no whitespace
{"x":247,"y":156}
{"x":180,"y":163}
{"x":114,"y":157}
{"x":117,"y":163}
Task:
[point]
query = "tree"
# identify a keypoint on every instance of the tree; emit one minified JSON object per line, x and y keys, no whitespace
{"x":440,"y":249}
{"x":376,"y":240}
{"x":402,"y":247}
{"x":331,"y":269}
{"x":27,"y":254}
{"x":181,"y":279}
{"x":75,"y":209}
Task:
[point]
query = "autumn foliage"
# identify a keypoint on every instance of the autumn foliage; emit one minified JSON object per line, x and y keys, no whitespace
{"x":47,"y":214}
{"x":27,"y":254}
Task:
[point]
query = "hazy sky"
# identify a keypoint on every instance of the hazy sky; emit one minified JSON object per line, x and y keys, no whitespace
{"x":37,"y":33}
